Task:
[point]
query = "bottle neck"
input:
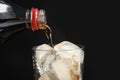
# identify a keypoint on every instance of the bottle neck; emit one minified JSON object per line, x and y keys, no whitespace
{"x":36,"y":18}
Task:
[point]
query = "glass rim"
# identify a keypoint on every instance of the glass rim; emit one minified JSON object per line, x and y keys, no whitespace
{"x":52,"y":48}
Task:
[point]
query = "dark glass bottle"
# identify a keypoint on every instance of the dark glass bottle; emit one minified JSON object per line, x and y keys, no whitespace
{"x":35,"y":20}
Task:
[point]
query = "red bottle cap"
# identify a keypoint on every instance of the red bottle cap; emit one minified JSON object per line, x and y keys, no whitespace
{"x":34,"y":18}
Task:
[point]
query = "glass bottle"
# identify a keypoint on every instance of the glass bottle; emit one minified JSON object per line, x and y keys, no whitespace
{"x":35,"y":20}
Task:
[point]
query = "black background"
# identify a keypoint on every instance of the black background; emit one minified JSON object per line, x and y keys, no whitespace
{"x":81,"y":22}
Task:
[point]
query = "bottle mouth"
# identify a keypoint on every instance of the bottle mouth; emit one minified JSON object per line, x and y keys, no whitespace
{"x":36,"y":17}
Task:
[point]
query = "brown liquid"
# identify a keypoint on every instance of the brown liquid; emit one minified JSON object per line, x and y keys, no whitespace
{"x":48,"y":31}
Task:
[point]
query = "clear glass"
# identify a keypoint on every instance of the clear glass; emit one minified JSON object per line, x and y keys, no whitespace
{"x":65,"y":63}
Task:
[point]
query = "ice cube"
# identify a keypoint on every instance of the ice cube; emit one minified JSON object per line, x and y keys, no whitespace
{"x":72,"y":52}
{"x":69,"y":49}
{"x":42,"y":53}
{"x":65,"y":45}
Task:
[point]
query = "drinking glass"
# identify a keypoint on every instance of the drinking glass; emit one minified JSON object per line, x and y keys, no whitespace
{"x":72,"y":58}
